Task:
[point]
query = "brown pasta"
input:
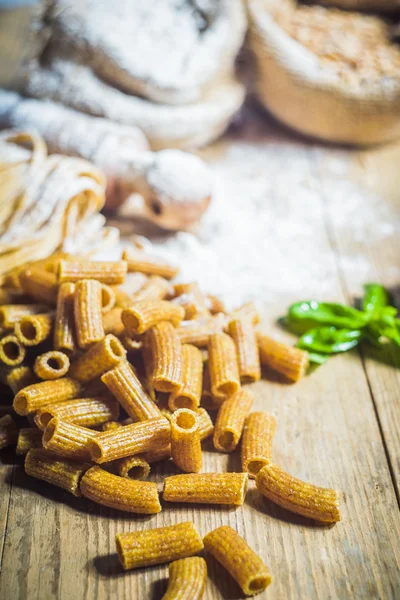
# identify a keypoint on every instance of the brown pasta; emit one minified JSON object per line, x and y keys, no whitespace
{"x":198,"y":333}
{"x":12,"y":352}
{"x":157,"y":454}
{"x":66,"y":439}
{"x":207,"y":488}
{"x":101,"y":357}
{"x":58,"y":471}
{"x":230,"y":420}
{"x":245,"y":566}
{"x":107,"y":298}
{"x":185,"y":441}
{"x":111,"y":273}
{"x":130,"y":440}
{"x":223,"y":366}
{"x":320,"y":504}
{"x":8,"y":431}
{"x":35,"y":329}
{"x":126,"y":387}
{"x":12,"y":313}
{"x":28,"y":437}
{"x":112,"y":322}
{"x":247,"y":310}
{"x":140,"y":263}
{"x":143,"y":315}
{"x":287,"y":360}
{"x":206,"y":427}
{"x":189,"y":305}
{"x":86,"y":412}
{"x":187,"y":579}
{"x":243,"y":334}
{"x":193,"y":289}
{"x":88,"y":312}
{"x":155,"y":288}
{"x":20,"y":377}
{"x":133,"y":467}
{"x":51,"y":365}
{"x":165,"y":349}
{"x":156,"y":546}
{"x":258,"y":433}
{"x":188,"y":394}
{"x":40,"y":285}
{"x":64,"y":323}
{"x":120,"y":493}
{"x":33,"y":397}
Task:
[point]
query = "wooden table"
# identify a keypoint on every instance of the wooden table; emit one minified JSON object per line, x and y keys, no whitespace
{"x":338,"y":427}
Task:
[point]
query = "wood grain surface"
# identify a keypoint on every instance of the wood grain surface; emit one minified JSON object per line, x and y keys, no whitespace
{"x":338,"y":427}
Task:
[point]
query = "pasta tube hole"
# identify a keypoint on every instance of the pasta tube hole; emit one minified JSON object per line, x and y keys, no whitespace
{"x":184,"y":402}
{"x":43,"y":420}
{"x":55,"y":363}
{"x":28,"y":330}
{"x":107,"y":298}
{"x":116,"y":347}
{"x":185,"y":420}
{"x":257,"y":585}
{"x":49,"y":431}
{"x":228,"y":389}
{"x":12,"y":350}
{"x":227,"y":440}
{"x":254,"y":466}
{"x":137,"y":472}
{"x":95,"y":451}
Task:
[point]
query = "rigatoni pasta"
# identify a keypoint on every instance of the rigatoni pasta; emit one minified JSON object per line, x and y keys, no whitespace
{"x":88,"y":312}
{"x":206,"y":488}
{"x":107,"y":298}
{"x":10,"y":314}
{"x":64,"y":323}
{"x":155,"y":288}
{"x":230,"y":420}
{"x":188,"y":394}
{"x":66,"y":439}
{"x":185,"y":440}
{"x":243,"y":334}
{"x":12,"y":352}
{"x":140,"y":263}
{"x":223,"y":366}
{"x":258,"y":433}
{"x":143,"y":315}
{"x":133,"y":467}
{"x":187,"y":579}
{"x":165,"y":349}
{"x":32,"y":330}
{"x":87,"y":412}
{"x":39,"y":284}
{"x":112,"y":273}
{"x":101,"y":357}
{"x":33,"y":397}
{"x":112,"y":322}
{"x":58,"y":471}
{"x":28,"y":437}
{"x":20,"y":377}
{"x":51,"y":365}
{"x":287,"y":360}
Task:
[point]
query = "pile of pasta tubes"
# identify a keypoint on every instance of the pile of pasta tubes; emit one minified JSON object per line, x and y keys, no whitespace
{"x":116,"y":368}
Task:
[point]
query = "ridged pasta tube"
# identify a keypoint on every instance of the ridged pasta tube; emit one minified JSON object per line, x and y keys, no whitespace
{"x":143,"y":315}
{"x":51,"y":365}
{"x":165,"y":349}
{"x":206,"y":488}
{"x":185,"y":440}
{"x":111,"y":273}
{"x":230,"y":420}
{"x":33,"y":397}
{"x":101,"y":357}
{"x":58,"y":471}
{"x":287,"y":360}
{"x":243,"y":334}
{"x":187,"y":579}
{"x":64,"y":323}
{"x":258,"y":433}
{"x":88,"y":312}
{"x":223,"y":366}
{"x":86,"y":412}
{"x":188,"y":394}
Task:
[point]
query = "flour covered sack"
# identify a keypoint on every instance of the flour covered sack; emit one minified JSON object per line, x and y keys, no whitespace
{"x":327,"y":73}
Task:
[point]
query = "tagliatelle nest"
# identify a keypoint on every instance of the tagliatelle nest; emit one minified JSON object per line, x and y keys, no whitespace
{"x":47,"y":203}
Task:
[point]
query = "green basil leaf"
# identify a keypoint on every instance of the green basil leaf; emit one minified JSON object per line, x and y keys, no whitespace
{"x":329,"y":340}
{"x":375,"y":297}
{"x":315,"y":313}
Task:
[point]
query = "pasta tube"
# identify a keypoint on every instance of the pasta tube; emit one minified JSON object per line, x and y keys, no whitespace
{"x":245,"y":566}
{"x":126,"y":387}
{"x":139,"y":317}
{"x":189,"y":305}
{"x":157,"y":454}
{"x":86,"y":412}
{"x":320,"y":504}
{"x":165,"y":349}
{"x":112,"y":322}
{"x":198,"y":333}
{"x":40,"y":285}
{"x":34,"y":329}
{"x":111,"y":273}
{"x":194,"y":290}
{"x":140,"y":263}
{"x":12,"y":352}
{"x":19,"y":377}
{"x":28,"y":437}
{"x":88,"y":312}
{"x":215,"y":305}
{"x":223,"y":366}
{"x":33,"y":397}
{"x":111,"y":425}
{"x":207,"y":488}
{"x":258,"y":433}
{"x":206,"y":427}
{"x":64,"y":324}
{"x":247,"y":310}
{"x":188,"y":394}
{"x":131,"y":344}
{"x":243,"y":334}
{"x":129,"y":440}
{"x":133,"y":467}
{"x":101,"y":357}
{"x":58,"y":471}
{"x":185,"y":440}
{"x":187,"y":579}
{"x":155,"y":288}
{"x":12,"y":313}
{"x":66,"y":439}
{"x":230,"y":420}
{"x":8,"y":431}
{"x":107,"y":298}
{"x":156,"y":546}
{"x":51,"y":365}
{"x":287,"y":360}
{"x":122,"y":298}
{"x":120,"y":493}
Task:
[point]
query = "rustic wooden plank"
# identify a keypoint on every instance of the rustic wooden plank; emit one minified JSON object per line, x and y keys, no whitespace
{"x":57,"y":546}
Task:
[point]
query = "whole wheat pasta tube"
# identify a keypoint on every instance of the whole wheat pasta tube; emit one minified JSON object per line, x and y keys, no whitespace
{"x":206,"y":488}
{"x":223,"y":366}
{"x":111,"y":425}
{"x":12,"y":313}
{"x":86,"y":412}
{"x":112,"y":322}
{"x":133,"y":467}
{"x":58,"y":471}
{"x":120,"y":493}
{"x":165,"y":349}
{"x":188,"y":394}
{"x":130,"y":440}
{"x":33,"y":397}
{"x":157,"y":454}
{"x":12,"y":352}
{"x":247,"y":310}
{"x":122,"y":298}
{"x":206,"y":427}
{"x":230,"y":420}
{"x":111,"y":273}
{"x":321,"y":504}
{"x":66,"y":439}
{"x":64,"y":323}
{"x":40,"y":285}
{"x":245,"y":566}
{"x":126,"y":387}
{"x":287,"y":360}
{"x":107,"y":298}
{"x":142,"y":315}
{"x":19,"y":377}
{"x":187,"y":579}
{"x":155,"y":288}
{"x":101,"y":357}
{"x":189,"y":305}
{"x":193,"y":289}
{"x":215,"y":305}
{"x":140,"y":263}
{"x":156,"y":546}
{"x":258,"y":433}
{"x":131,"y":343}
{"x":88,"y":312}
{"x":51,"y":365}
{"x":28,"y":437}
{"x":243,"y":334}
{"x":8,"y":431}
{"x":34,"y":329}
{"x":185,"y":441}
{"x":198,"y":333}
